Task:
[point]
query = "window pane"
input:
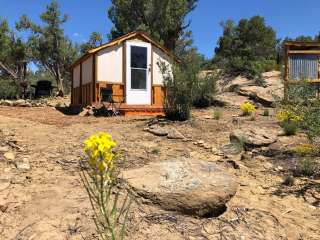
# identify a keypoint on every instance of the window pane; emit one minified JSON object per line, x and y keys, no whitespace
{"x":138,"y":79}
{"x":138,"y":57}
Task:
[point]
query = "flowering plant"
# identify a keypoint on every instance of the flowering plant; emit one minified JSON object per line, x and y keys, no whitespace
{"x":99,"y":151}
{"x":247,"y":108}
{"x":287,"y":115}
{"x":100,"y":179}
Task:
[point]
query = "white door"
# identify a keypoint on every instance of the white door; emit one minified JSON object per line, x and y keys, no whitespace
{"x":138,"y":85}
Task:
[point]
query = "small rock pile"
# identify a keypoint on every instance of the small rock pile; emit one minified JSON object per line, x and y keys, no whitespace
{"x":11,"y":152}
{"x":45,"y":102}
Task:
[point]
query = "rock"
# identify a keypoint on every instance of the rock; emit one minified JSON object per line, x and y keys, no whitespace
{"x":84,"y":113}
{"x":21,"y":103}
{"x":4,"y":148}
{"x":9,"y":156}
{"x":23,"y":165}
{"x":189,"y":186}
{"x":3,"y":208}
{"x":216,"y":151}
{"x":7,"y":103}
{"x":231,"y":149}
{"x":200,"y":143}
{"x":158,"y":131}
{"x":231,"y":99}
{"x":253,"y":137}
{"x":175,"y":134}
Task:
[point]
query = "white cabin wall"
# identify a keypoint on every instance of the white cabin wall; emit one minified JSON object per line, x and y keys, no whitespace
{"x":109,"y":64}
{"x":87,"y":71}
{"x":159,"y":56}
{"x":76,"y":76}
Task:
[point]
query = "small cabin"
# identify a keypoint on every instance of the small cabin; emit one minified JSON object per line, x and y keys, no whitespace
{"x":124,"y":71}
{"x":302,"y":62}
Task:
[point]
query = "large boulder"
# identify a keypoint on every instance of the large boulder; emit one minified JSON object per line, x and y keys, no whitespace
{"x":253,"y":137}
{"x":188,"y":186}
{"x":269,"y":91}
{"x":266,"y":91}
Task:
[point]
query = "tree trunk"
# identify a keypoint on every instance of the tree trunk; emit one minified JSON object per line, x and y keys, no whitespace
{"x":59,"y":83}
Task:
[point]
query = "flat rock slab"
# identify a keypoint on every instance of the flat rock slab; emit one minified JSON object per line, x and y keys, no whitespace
{"x":253,"y":137}
{"x":188,"y":186}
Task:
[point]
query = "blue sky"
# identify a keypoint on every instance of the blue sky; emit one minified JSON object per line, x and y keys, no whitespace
{"x":288,"y":17}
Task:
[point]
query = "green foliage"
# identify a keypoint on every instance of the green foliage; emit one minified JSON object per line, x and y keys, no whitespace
{"x":163,"y":20}
{"x":217,"y":114}
{"x":8,"y":89}
{"x":13,"y":55}
{"x":266,"y":112}
{"x":178,"y":96}
{"x":95,"y":40}
{"x":204,"y":91}
{"x":238,"y":144}
{"x":306,"y":167}
{"x":50,"y":48}
{"x":248,"y":48}
{"x":302,"y":103}
{"x":290,"y":127}
{"x":306,"y":150}
{"x":288,"y":180}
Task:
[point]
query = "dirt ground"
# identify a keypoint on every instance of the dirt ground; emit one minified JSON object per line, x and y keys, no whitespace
{"x":49,"y":202}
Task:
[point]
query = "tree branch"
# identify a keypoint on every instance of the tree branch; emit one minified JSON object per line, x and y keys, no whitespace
{"x":8,"y":70}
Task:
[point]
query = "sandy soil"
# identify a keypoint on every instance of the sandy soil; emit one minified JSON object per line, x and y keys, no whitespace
{"x":49,"y":202}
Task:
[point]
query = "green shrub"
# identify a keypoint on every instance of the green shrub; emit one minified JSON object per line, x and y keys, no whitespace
{"x":8,"y":89}
{"x":266,"y":112}
{"x":217,"y":114}
{"x":288,"y":180}
{"x":306,"y":167}
{"x":290,"y":127}
{"x":203,"y":91}
{"x":302,"y":107}
{"x":178,"y":96}
{"x":238,"y":144}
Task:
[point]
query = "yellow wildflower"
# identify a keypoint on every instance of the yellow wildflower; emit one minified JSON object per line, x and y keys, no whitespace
{"x":99,"y":150}
{"x":247,"y":108}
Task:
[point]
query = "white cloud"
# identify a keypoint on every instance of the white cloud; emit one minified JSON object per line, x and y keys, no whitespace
{"x":76,"y":34}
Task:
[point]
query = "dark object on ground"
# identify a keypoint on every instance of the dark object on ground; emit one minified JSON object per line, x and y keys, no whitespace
{"x":43,"y":89}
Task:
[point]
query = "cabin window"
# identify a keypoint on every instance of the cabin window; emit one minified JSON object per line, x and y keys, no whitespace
{"x":138,"y":67}
{"x":303,"y":67}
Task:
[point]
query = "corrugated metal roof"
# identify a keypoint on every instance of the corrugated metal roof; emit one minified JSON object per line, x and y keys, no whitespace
{"x":303,"y":67}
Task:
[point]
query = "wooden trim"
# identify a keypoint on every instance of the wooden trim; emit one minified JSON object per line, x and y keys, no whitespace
{"x":80,"y":85}
{"x":121,"y":40}
{"x":315,"y":81}
{"x":157,"y":85}
{"x":314,"y":52}
{"x":96,"y":87}
{"x":286,"y":72}
{"x":302,"y":43}
{"x":152,"y":94}
{"x":105,"y":82}
{"x":72,"y":97}
{"x":124,"y":70}
{"x":94,"y":80}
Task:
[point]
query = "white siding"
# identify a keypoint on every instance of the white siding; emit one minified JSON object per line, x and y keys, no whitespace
{"x":76,"y":76}
{"x":109,"y":64}
{"x":87,"y":71}
{"x":159,"y":56}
